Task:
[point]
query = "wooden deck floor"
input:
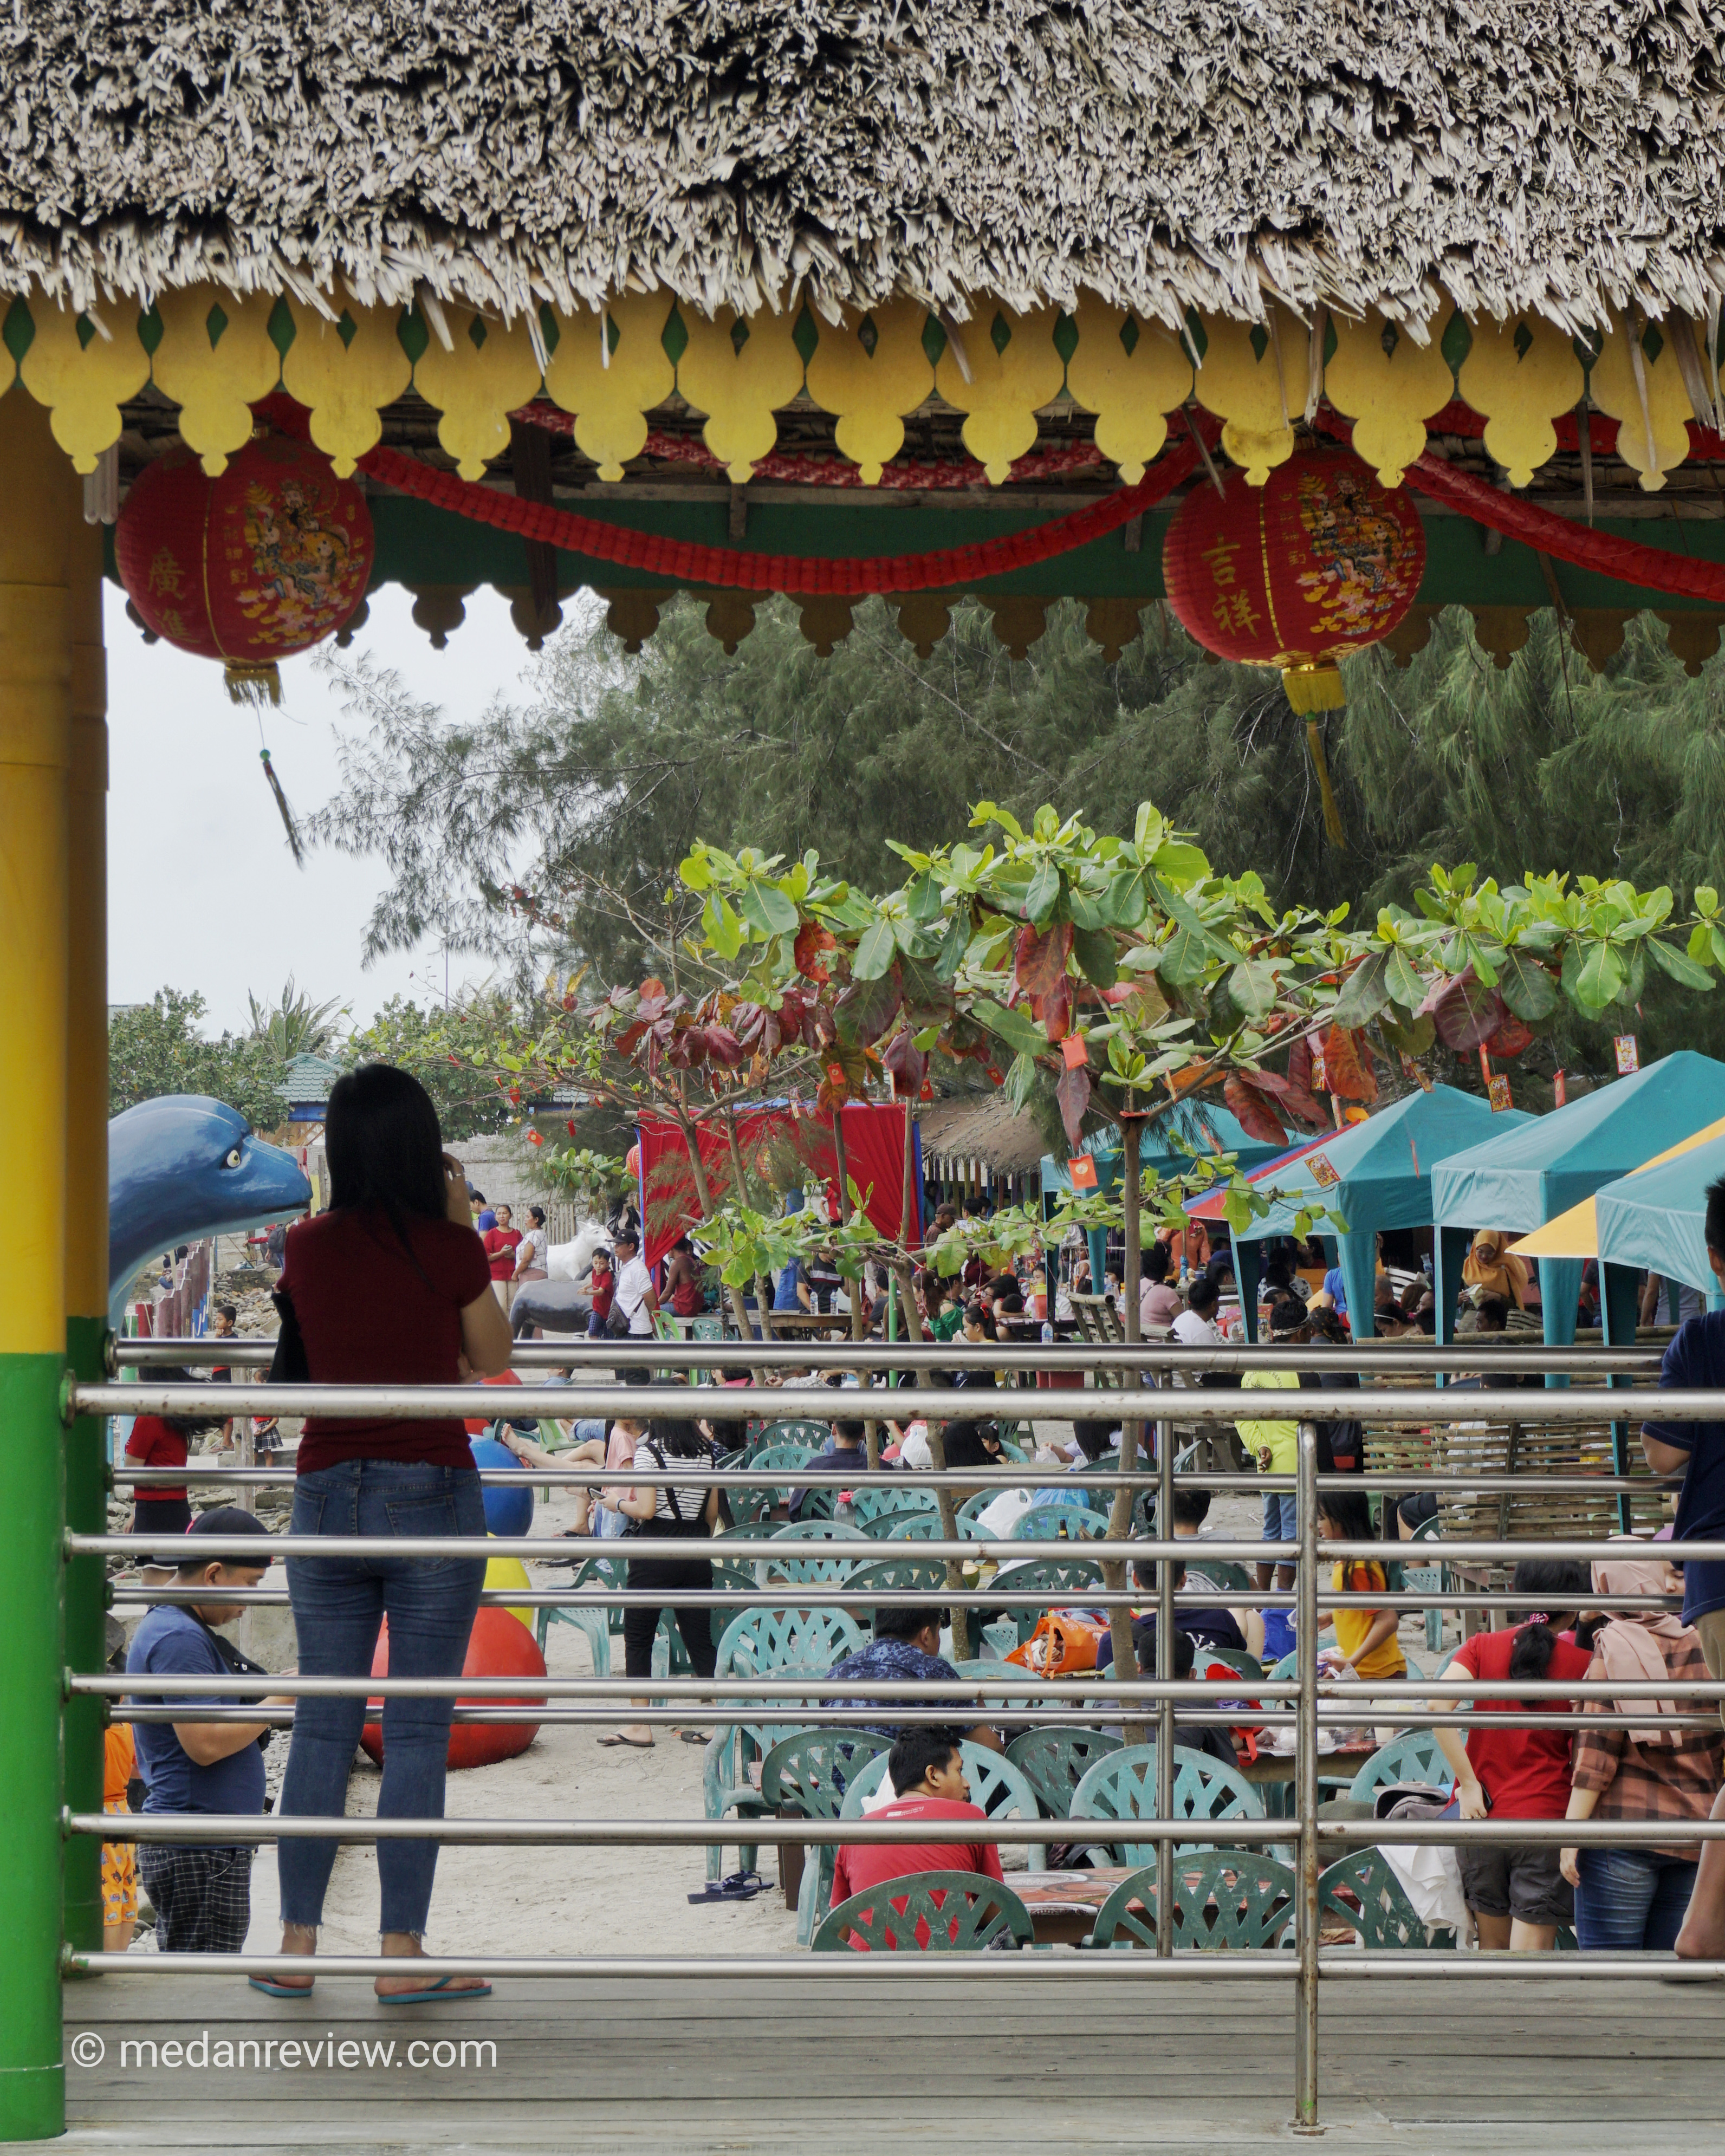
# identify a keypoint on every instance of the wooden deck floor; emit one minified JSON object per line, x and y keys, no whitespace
{"x":717,"y":2068}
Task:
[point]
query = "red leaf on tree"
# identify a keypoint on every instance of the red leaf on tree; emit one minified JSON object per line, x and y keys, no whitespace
{"x":1347,"y":1067}
{"x":1293,"y":1099}
{"x":905,"y":1061}
{"x":723,"y":1046}
{"x":1041,"y":958}
{"x":812,"y":939}
{"x":1466,"y":1011}
{"x":1073,"y":1095}
{"x":1300,"y":1064}
{"x":1255,"y":1111}
{"x":1511,"y":1036}
{"x":1054,"y":1010}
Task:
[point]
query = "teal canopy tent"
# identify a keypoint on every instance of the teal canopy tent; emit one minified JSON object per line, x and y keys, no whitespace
{"x":1187,"y":1129}
{"x":1522,"y":1179}
{"x":1656,"y":1222}
{"x":1376,"y":1174}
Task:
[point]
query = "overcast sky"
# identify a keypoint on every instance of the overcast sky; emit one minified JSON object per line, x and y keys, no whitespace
{"x":203,"y":891}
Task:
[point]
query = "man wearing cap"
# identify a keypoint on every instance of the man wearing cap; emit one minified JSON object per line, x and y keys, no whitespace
{"x":201,"y":1893}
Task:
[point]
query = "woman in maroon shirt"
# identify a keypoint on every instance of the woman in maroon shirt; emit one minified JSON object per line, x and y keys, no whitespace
{"x":389,"y":1287}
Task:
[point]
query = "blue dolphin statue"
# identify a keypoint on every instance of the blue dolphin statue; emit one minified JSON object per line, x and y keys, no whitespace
{"x":185,"y":1167}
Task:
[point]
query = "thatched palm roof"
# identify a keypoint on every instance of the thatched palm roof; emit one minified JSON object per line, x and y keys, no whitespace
{"x":1509,"y":154}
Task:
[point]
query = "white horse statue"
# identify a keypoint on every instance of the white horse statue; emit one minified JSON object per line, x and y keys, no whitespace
{"x":573,"y":1260}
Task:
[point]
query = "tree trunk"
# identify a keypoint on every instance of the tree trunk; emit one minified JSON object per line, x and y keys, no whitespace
{"x":1120,"y":1514}
{"x":872,"y":1429}
{"x":704,"y":1198}
{"x":937,"y":1453}
{"x":763,"y":1296}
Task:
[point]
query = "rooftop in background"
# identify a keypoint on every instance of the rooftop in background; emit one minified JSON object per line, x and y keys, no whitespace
{"x":307,"y":1084}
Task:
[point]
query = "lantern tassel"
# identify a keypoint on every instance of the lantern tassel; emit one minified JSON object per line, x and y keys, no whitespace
{"x":294,"y":844}
{"x":254,"y":685}
{"x":1327,"y":793}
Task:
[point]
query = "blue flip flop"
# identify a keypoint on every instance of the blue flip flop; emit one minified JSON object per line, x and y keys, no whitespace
{"x":737,"y":1886}
{"x":436,"y":1994}
{"x":280,"y":1990}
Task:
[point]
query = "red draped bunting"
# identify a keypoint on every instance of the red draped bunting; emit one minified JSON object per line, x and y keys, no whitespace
{"x":774,"y":1141}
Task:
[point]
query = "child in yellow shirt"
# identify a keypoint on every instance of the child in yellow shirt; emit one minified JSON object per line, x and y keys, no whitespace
{"x":1366,"y":1637}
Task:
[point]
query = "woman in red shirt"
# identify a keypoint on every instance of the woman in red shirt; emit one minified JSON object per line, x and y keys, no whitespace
{"x":389,"y":1287}
{"x":501,"y":1243}
{"x":161,"y":1508}
{"x":1515,"y":1891}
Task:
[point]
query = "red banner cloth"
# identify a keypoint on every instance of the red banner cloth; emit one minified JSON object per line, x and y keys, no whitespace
{"x":775,"y":1142}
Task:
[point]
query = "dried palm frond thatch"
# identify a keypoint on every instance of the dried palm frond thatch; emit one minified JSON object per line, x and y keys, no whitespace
{"x":1505,"y":155}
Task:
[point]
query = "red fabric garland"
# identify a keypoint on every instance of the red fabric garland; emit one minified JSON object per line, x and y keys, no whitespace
{"x":685,"y":562}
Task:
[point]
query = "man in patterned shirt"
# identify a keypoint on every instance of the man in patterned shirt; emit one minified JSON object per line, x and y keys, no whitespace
{"x":905,"y":1648}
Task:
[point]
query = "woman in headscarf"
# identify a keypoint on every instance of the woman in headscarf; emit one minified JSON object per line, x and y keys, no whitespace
{"x":1490,"y":1269}
{"x":1633,"y":1900}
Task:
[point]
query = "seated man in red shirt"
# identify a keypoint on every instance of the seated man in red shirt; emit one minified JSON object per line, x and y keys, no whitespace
{"x":926,"y":1768}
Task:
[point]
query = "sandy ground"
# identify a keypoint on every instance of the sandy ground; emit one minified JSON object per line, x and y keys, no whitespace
{"x":526,"y":1900}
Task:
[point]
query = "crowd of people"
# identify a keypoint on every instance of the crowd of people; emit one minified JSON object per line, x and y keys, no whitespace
{"x":395,"y":1283}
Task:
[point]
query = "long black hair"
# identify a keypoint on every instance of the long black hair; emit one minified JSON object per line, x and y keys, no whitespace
{"x":678,"y":1439}
{"x":185,"y":1426}
{"x":1563,"y":1583}
{"x":385,"y":1147}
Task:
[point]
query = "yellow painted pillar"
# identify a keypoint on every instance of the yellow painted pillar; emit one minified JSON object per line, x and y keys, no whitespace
{"x":86,"y":1210}
{"x":40,"y":497}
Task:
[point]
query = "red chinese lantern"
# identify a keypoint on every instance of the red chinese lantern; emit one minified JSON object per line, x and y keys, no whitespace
{"x":252,"y":567}
{"x":1320,"y":562}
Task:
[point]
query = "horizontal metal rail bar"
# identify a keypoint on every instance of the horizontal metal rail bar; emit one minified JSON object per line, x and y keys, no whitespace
{"x":222,"y":1829}
{"x":1023,"y":1707}
{"x":1185,"y":1964}
{"x":952,"y":1478}
{"x":1037,"y":1965}
{"x":772,"y":1831}
{"x":254,"y":1350}
{"x":816,"y":1403}
{"x":868,"y":1550}
{"x":1354,"y":1692}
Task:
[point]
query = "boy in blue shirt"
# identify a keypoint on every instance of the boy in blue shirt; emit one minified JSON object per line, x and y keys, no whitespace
{"x":1694,"y":1361}
{"x":201,"y":1894}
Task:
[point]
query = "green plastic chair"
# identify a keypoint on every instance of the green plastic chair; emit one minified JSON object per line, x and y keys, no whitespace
{"x":599,"y":1624}
{"x":815,"y":1436}
{"x":762,"y":1530}
{"x":1228,"y":1900}
{"x":1051,"y":1523}
{"x":1121,"y":1787}
{"x":870,"y":1505}
{"x":1055,"y":1761}
{"x":809,"y":1773}
{"x":1378,"y":1911}
{"x":1428,"y":1579}
{"x":928,"y":1913}
{"x":815,"y":1566}
{"x":1234,"y":1658}
{"x":898,"y":1575}
{"x":1416,"y":1755}
{"x":766,"y":1643}
{"x":915,"y":1527}
{"x":971,"y":1510}
{"x":1059,"y":1578}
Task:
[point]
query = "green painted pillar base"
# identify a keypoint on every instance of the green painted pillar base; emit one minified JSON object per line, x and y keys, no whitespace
{"x":32,"y":1626}
{"x":86,"y":1613}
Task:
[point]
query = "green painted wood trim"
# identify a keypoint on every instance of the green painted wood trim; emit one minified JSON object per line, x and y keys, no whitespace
{"x":86,"y":1611}
{"x":33,"y":2094}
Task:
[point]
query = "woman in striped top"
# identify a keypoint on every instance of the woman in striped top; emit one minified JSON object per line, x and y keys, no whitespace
{"x":1633,"y":1900}
{"x":677,"y":1510}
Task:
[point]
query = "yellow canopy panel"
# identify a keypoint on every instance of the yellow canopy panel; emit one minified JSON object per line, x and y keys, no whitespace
{"x":1576,"y":1234}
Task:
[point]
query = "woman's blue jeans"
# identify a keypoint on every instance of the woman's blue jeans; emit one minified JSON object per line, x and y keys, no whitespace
{"x":1630,"y":1901}
{"x":339,"y":1603}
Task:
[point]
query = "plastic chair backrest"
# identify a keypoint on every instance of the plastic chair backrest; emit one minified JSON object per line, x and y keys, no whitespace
{"x":1123,"y":1787}
{"x":991,"y":1775}
{"x":1233,"y":1658}
{"x":762,"y":1640}
{"x":916,"y":1528}
{"x":1385,"y":1918}
{"x":815,"y":1435}
{"x":1414,"y":1757}
{"x":813,"y":1769}
{"x":821,"y":1533}
{"x":1223,"y":1897}
{"x":883,"y":1504}
{"x":1049,"y":1523}
{"x":899,"y":1575}
{"x":1060,"y":1578}
{"x":1053,"y":1761}
{"x":752,"y":1531}
{"x":927,"y":1913}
